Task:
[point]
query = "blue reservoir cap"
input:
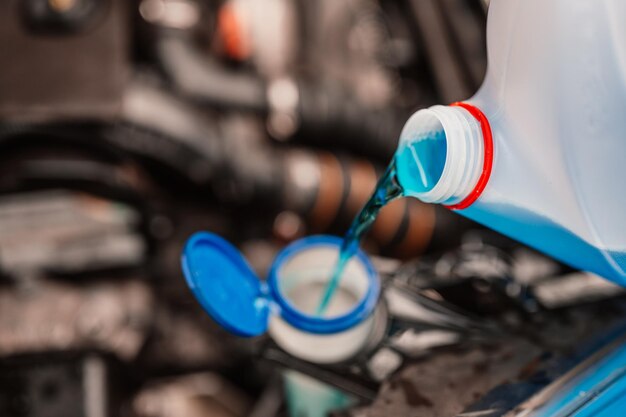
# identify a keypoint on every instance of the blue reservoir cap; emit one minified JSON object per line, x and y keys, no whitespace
{"x":225,"y":285}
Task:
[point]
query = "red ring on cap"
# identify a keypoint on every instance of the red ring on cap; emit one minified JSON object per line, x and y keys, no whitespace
{"x":487,"y":162}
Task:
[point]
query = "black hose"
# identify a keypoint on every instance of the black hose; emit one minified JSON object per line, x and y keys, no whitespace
{"x":202,"y":79}
{"x":331,"y":118}
{"x":328,"y":117}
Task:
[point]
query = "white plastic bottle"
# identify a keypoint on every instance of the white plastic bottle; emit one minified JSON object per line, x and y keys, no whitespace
{"x":539,"y":153}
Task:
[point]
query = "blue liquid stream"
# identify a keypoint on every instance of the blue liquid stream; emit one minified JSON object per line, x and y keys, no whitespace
{"x":387,"y":189}
{"x":418,"y":164}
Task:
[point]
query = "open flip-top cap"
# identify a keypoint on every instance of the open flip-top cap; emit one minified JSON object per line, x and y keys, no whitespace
{"x":225,"y":285}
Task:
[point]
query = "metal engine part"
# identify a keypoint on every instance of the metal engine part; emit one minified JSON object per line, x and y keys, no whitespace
{"x":63,"y":59}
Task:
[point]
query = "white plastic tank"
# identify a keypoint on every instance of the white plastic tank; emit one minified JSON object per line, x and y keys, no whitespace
{"x":539,"y":153}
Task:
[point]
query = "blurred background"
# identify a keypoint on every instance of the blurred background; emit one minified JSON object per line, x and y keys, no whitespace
{"x":127,"y":125}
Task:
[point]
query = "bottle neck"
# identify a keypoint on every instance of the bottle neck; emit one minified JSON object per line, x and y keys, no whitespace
{"x":463,"y":169}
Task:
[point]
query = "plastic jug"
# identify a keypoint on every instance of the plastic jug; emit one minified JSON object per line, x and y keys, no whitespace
{"x":539,"y":153}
